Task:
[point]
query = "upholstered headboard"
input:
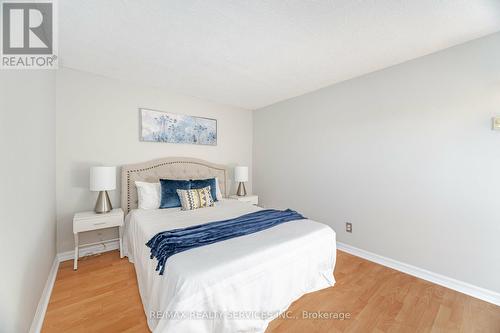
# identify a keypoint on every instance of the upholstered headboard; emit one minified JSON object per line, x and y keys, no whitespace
{"x":171,"y":168}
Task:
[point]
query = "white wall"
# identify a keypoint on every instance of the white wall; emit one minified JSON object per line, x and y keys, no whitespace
{"x":98,"y":123}
{"x":406,"y":154}
{"x":27,"y":201}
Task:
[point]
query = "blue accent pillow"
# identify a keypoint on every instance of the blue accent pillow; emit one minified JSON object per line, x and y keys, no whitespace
{"x":201,"y":183}
{"x":169,"y":197}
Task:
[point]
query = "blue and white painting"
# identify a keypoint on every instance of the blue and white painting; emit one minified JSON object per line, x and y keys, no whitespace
{"x":157,"y":126}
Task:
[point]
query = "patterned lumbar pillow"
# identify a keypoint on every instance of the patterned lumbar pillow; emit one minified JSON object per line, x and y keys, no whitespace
{"x":197,"y":198}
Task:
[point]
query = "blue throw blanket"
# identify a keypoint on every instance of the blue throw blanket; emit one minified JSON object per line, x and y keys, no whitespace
{"x":165,"y":244}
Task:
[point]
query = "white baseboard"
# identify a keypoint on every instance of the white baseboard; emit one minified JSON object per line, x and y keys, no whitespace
{"x":36,"y":324}
{"x":90,"y":250}
{"x":460,"y":286}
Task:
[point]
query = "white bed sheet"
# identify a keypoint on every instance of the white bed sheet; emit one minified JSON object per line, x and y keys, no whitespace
{"x":237,"y":285}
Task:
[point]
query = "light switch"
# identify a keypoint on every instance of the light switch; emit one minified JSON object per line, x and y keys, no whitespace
{"x":496,"y":123}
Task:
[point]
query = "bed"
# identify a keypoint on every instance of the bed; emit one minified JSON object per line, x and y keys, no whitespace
{"x":237,"y":285}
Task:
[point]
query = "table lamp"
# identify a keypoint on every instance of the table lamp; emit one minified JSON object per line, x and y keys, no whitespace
{"x":102,"y":179}
{"x":241,"y":176}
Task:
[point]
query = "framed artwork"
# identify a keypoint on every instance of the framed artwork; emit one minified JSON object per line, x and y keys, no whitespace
{"x":158,"y":126}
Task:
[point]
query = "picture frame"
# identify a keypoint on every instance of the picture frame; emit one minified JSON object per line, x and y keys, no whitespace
{"x":167,"y":127}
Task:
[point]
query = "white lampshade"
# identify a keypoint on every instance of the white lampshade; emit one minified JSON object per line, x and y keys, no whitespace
{"x":241,"y":174}
{"x":102,"y":178}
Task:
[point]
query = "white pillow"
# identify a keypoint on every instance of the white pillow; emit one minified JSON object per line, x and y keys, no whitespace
{"x":218,"y":193}
{"x":148,"y":195}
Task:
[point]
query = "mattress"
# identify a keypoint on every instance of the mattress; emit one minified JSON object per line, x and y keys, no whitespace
{"x":237,"y":285}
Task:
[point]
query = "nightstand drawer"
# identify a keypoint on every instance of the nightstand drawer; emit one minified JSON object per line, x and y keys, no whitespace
{"x":251,"y":199}
{"x":90,"y":221}
{"x":94,"y":224}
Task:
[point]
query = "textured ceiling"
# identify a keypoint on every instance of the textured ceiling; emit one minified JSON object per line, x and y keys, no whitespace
{"x":255,"y":53}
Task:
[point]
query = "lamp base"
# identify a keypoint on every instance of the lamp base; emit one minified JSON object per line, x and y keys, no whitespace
{"x":242,"y":191}
{"x":103,"y":204}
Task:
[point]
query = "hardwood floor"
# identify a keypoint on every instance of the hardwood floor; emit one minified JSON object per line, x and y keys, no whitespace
{"x":102,"y":296}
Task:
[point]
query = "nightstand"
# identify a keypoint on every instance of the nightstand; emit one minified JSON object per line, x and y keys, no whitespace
{"x":252,"y":199}
{"x":88,"y":221}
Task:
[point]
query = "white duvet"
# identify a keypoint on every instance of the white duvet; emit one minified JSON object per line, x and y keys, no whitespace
{"x":237,"y":285}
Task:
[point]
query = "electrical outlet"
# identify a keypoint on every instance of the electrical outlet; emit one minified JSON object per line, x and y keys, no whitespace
{"x":348,"y":227}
